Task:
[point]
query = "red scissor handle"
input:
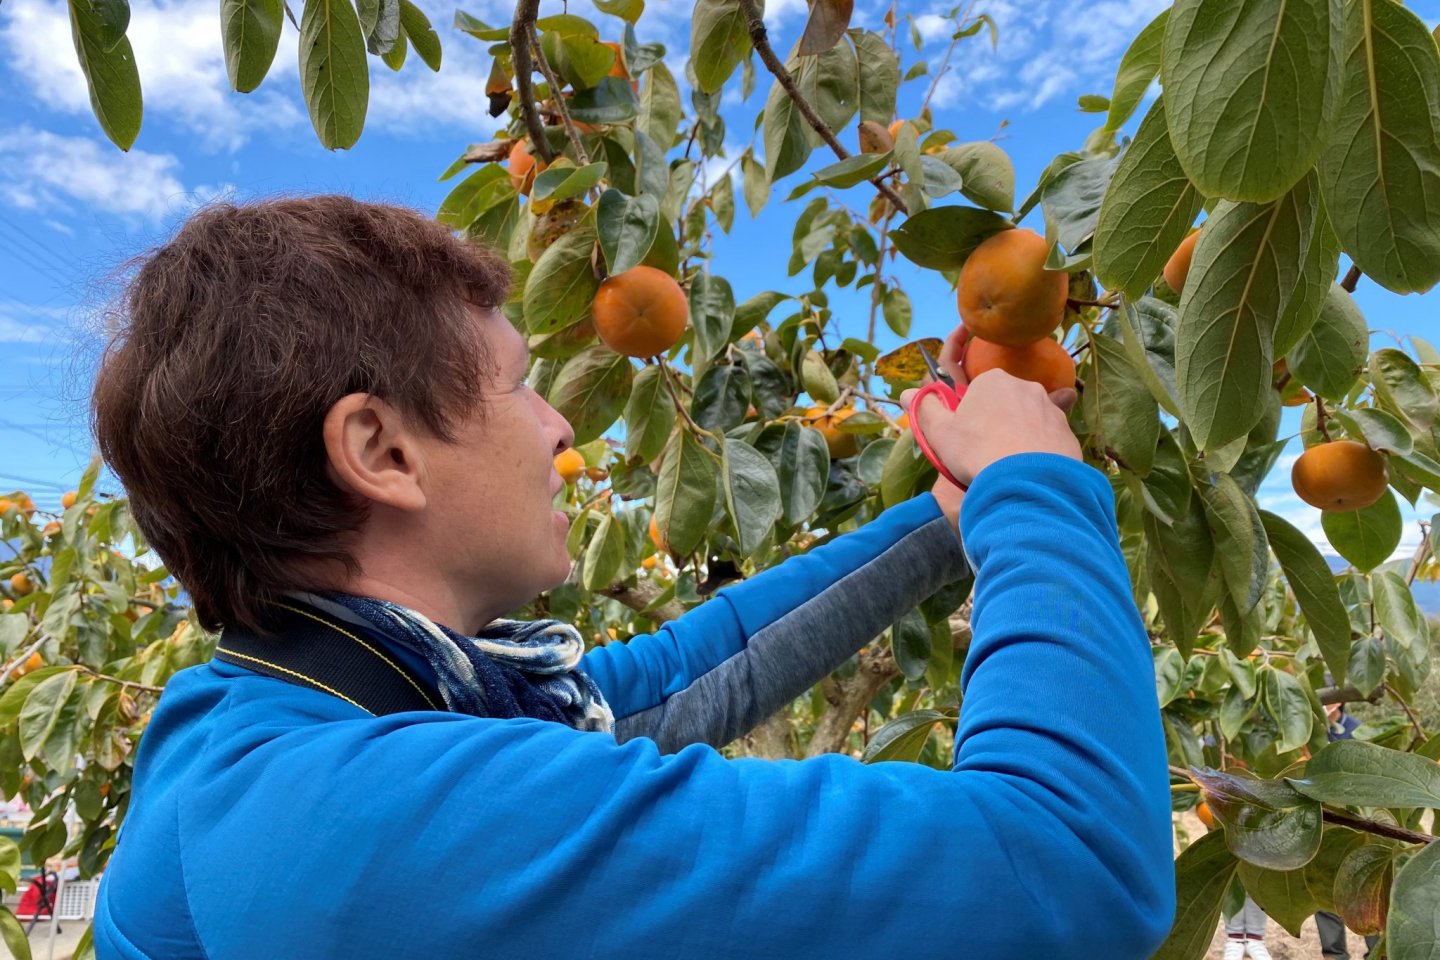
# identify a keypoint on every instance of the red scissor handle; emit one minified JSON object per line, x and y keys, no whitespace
{"x":951,"y":397}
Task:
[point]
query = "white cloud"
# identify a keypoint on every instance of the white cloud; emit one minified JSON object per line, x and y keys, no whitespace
{"x":48,"y":170}
{"x":26,"y":323}
{"x":180,"y":60}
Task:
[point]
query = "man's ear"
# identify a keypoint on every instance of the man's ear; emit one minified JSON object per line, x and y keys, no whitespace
{"x":373,"y":453}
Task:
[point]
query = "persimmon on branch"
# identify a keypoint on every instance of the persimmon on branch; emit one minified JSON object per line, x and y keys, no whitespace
{"x":759,"y":39}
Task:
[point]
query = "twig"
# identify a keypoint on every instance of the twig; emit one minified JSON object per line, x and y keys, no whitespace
{"x":1345,"y":819}
{"x":761,"y":43}
{"x":10,"y":667}
{"x":1351,"y":278}
{"x":1421,"y":551}
{"x":1414,"y":720}
{"x":560,"y":107}
{"x":945,"y":62}
{"x":1320,"y":416}
{"x":846,"y":698}
{"x":640,"y":596}
{"x":695,"y":427}
{"x":875,"y":287}
{"x":123,"y":683}
{"x":520,"y":30}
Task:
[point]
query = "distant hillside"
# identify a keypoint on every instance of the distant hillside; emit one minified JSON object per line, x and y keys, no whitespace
{"x":1427,"y":595}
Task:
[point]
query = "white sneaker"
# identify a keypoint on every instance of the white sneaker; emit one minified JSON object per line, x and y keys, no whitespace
{"x":1256,"y":950}
{"x":1234,"y":948}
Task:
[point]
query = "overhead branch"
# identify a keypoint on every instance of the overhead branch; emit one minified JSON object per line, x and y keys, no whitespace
{"x":640,"y":596}
{"x":760,"y":40}
{"x":522,"y":25}
{"x":851,"y":695}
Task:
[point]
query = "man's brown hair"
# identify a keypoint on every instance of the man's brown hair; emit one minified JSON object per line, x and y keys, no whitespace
{"x":235,"y":339}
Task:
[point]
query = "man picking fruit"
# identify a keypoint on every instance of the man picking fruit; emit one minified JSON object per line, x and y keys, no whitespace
{"x":376,"y":496}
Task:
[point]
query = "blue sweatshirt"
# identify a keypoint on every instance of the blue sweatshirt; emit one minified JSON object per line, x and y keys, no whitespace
{"x":268,"y":819}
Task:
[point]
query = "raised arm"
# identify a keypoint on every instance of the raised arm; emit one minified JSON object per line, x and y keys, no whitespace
{"x":716,"y":672}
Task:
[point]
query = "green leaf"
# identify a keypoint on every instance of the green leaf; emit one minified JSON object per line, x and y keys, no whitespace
{"x":905,"y":468}
{"x":250,"y":34}
{"x":1071,"y":200}
{"x":591,"y":390}
{"x":1403,"y":388}
{"x":1367,"y":665}
{"x":1412,"y":929}
{"x":752,"y":493}
{"x":559,"y":290}
{"x":1282,"y":894}
{"x":562,"y":183}
{"x":9,"y":865}
{"x":879,"y":76}
{"x":334,"y":76}
{"x":1203,"y":872}
{"x":722,"y":201}
{"x":987,"y":176}
{"x":1355,"y":773}
{"x":42,"y":711}
{"x":754,"y":184}
{"x":1169,"y":673}
{"x":1119,"y":407}
{"x":817,"y":379}
{"x":1328,"y":359}
{"x":1380,"y":430}
{"x":627,"y":228}
{"x":852,"y":170}
{"x":380,"y":23}
{"x":1180,"y":559}
{"x":895,"y":306}
{"x":753,"y":312}
{"x":1138,"y":69}
{"x":902,"y":739}
{"x":940,"y":180}
{"x":1252,"y":90}
{"x":1315,"y":590}
{"x":830,"y":81}
{"x":721,"y":397}
{"x":1147,"y":328}
{"x":1166,"y":489}
{"x":422,"y":36}
{"x":1247,"y":264}
{"x":910,"y":642}
{"x":943,"y":237}
{"x":110,"y":74}
{"x":1267,"y":822}
{"x":660,"y":109}
{"x":1381,"y":168}
{"x":1317,"y":276}
{"x":1320,"y":872}
{"x":685,"y":494}
{"x":649,"y":415}
{"x":1288,"y":706}
{"x":712,"y":314}
{"x":1093,"y":103}
{"x":1362,"y":887}
{"x":719,"y":40}
{"x":787,"y":140}
{"x":1366,"y":537}
{"x":11,"y":931}
{"x":628,"y":10}
{"x":1147,"y":211}
{"x":604,"y":555}
{"x":802,"y":464}
{"x":610,"y":101}
{"x":1240,"y":542}
{"x":1395,"y":609}
{"x":478,"y":192}
{"x":1235,"y":710}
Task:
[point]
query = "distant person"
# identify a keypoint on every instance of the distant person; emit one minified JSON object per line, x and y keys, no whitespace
{"x":325,"y":427}
{"x":1333,"y":940}
{"x":1245,"y":933}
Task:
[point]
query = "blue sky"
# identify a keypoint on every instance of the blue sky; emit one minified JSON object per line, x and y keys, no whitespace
{"x":73,"y":208}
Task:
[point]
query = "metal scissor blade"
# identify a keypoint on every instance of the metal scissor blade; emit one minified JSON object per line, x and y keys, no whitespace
{"x":935,"y":372}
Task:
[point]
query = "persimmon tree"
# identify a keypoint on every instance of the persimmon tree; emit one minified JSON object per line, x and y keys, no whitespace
{"x":716,"y":436}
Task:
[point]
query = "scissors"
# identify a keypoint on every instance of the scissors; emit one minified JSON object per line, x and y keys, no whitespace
{"x":942,"y":386}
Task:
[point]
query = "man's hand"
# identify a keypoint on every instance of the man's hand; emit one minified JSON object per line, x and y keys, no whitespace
{"x":1000,"y":415}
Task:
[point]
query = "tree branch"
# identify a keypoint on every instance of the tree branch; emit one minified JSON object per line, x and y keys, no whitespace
{"x":761,"y":42}
{"x":640,"y":596}
{"x":521,"y":28}
{"x":877,"y":668}
{"x":123,"y":683}
{"x":770,"y":740}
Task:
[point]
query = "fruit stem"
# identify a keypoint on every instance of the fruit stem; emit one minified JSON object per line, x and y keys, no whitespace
{"x":1320,"y":417}
{"x":1414,"y":720}
{"x":761,"y":42}
{"x":1352,"y":277}
{"x":680,"y":406}
{"x":123,"y":683}
{"x":521,"y":28}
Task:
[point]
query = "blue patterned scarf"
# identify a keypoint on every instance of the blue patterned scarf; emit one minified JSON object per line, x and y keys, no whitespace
{"x":514,"y":668}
